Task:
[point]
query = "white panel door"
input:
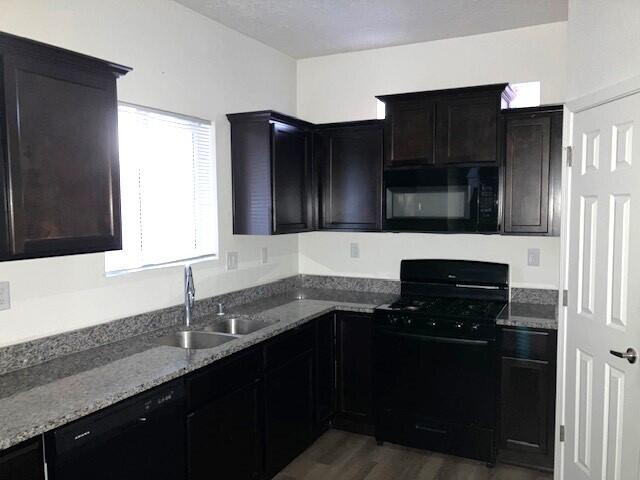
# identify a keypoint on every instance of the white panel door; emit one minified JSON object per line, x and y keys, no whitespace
{"x":603,"y":390}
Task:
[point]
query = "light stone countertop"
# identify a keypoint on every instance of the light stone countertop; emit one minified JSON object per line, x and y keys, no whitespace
{"x":40,"y":398}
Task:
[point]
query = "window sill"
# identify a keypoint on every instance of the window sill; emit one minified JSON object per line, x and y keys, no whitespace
{"x":176,"y":263}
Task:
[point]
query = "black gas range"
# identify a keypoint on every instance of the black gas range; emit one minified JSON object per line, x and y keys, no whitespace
{"x":436,"y":358}
{"x":459,"y":317}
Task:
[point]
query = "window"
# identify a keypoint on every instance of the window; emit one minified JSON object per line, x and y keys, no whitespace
{"x":526,"y":95}
{"x":168,"y":195}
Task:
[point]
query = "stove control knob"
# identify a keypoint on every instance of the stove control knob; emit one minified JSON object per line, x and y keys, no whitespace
{"x":393,"y":320}
{"x":459,"y":325}
{"x":432,"y":323}
{"x":408,"y":321}
{"x":475,"y":327}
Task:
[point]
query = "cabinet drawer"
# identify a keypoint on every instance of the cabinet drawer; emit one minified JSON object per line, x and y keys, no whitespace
{"x":532,"y":344}
{"x":289,"y":345}
{"x":223,"y":377}
{"x":424,"y":433}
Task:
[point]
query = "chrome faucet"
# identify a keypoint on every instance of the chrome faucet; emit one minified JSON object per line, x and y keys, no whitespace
{"x":189,"y":294}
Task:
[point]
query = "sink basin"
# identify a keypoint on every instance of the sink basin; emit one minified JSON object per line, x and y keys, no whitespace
{"x":193,"y":339}
{"x":239,"y":325}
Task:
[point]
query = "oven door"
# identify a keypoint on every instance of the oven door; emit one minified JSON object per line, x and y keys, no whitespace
{"x":437,"y":393}
{"x":442,"y":199}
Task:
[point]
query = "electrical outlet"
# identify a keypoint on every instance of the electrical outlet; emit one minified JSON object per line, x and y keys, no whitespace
{"x":264,"y":255}
{"x":232,"y":260}
{"x":355,"y":250}
{"x":533,"y":257}
{"x":5,"y":297}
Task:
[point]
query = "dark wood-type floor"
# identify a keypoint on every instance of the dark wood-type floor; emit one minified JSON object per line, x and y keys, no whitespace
{"x":340,"y":455}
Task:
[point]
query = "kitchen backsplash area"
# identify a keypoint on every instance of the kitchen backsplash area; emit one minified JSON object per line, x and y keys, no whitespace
{"x":34,"y":352}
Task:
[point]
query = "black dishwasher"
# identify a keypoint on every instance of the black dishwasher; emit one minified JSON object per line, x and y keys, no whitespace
{"x":142,"y":437}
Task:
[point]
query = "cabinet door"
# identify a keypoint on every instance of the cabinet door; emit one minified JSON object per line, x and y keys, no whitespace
{"x":526,"y":432}
{"x":354,"y":344}
{"x":224,"y":438}
{"x":325,"y":370}
{"x":63,"y":193}
{"x":23,"y":462}
{"x":292,"y":202}
{"x":410,"y":127}
{"x":351,"y":172}
{"x":289,"y":415}
{"x":527,"y":404}
{"x":468,"y":129}
{"x":532,"y":164}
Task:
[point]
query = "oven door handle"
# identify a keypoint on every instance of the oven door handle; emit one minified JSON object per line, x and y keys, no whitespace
{"x":433,"y":338}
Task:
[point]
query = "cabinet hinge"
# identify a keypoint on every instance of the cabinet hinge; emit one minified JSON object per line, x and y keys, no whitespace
{"x":565,"y":298}
{"x":569,"y":150}
{"x":562,"y":433}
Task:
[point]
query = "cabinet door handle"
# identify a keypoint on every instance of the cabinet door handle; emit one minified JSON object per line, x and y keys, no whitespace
{"x":631,"y":355}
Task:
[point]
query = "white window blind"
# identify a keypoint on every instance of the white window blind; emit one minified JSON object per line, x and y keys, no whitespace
{"x":168,"y":196}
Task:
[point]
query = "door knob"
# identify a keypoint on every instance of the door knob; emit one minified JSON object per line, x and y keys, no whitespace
{"x":631,"y":355}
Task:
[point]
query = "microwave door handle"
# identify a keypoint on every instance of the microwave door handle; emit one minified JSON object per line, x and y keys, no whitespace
{"x":475,"y":205}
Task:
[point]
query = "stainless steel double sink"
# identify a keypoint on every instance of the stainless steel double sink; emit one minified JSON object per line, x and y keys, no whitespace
{"x":218,"y":333}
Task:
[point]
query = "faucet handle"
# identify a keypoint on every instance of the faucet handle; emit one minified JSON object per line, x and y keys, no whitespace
{"x":220,"y":308}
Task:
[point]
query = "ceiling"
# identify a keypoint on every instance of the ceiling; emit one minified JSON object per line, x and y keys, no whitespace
{"x":309,"y":28}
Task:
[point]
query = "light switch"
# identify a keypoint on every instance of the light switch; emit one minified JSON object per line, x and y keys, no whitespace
{"x":232,"y":260}
{"x":533,"y":257}
{"x":355,"y":250}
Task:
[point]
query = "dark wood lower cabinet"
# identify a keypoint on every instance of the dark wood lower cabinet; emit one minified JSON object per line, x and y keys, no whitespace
{"x":224,"y":437}
{"x":251,"y":414}
{"x":289,"y":412}
{"x":23,"y":462}
{"x":225,"y":418}
{"x":527,"y":405}
{"x":325,"y":372}
{"x":354,"y":348}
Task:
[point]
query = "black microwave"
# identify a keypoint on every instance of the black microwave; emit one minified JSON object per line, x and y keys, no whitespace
{"x":451,"y":199}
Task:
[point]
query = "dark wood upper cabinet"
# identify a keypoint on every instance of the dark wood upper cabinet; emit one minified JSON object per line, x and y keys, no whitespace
{"x":350,"y":164}
{"x":59,"y":176}
{"x":410,"y":133}
{"x":444,"y":127}
{"x":467,"y":130}
{"x":532,"y":170}
{"x":271,"y":158}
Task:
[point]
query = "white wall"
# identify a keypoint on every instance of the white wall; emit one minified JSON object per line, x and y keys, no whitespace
{"x":328,"y":253}
{"x":186,"y":63}
{"x":604,"y":44}
{"x":182,"y":62}
{"x":342,"y":87}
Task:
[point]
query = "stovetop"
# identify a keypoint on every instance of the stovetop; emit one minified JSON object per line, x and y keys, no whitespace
{"x":462,"y":318}
{"x":450,"y":307}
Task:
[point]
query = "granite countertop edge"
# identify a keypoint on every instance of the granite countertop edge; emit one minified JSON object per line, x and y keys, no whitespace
{"x":18,"y":423}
